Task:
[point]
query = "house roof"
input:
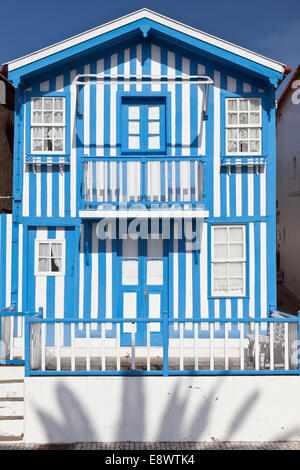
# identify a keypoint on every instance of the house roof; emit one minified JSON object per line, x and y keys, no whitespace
{"x":286,"y":91}
{"x":152,"y":16}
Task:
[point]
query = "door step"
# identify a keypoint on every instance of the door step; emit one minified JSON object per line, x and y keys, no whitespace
{"x":11,"y":403}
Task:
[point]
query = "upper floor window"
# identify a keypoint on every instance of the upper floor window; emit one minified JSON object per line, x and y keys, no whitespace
{"x":243,"y":126}
{"x":49,"y":257}
{"x":48,"y":125}
{"x":228,"y":260}
{"x":143,"y":125}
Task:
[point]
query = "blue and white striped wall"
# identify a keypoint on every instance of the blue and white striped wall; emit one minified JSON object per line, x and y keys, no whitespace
{"x":5,"y":259}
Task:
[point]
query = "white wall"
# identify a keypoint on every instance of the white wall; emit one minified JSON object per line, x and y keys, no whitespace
{"x":288,"y":146}
{"x":74,"y":409}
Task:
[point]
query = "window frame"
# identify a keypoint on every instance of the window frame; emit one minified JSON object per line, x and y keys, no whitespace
{"x":36,"y":257}
{"x":144,"y":100}
{"x":244,"y":126}
{"x":243,"y":260}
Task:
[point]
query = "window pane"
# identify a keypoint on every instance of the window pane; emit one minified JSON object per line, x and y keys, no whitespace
{"x":254,"y":133}
{"x":153,"y":127}
{"x":48,"y":103}
{"x":37,"y":132}
{"x":58,"y":145}
{"x":236,"y":251}
{"x":220,"y":252}
{"x":37,"y":103}
{"x":243,"y":118}
{"x":236,"y":285}
{"x":232,"y":105}
{"x":243,"y":105}
{"x":232,"y":118}
{"x":235,"y":270}
{"x":236,"y":234}
{"x":133,"y":127}
{"x":58,"y":132}
{"x":58,"y":117}
{"x":243,"y":133}
{"x":133,"y":112}
{"x":254,"y":146}
{"x":154,"y":142}
{"x":43,"y":265}
{"x":56,"y":249}
{"x":243,"y":146}
{"x":254,"y":118}
{"x":153,"y":112}
{"x":220,"y":269}
{"x":37,"y":117}
{"x":58,"y":103}
{"x":155,"y":272}
{"x":130,"y":272}
{"x":44,"y":249}
{"x":232,"y":133}
{"x":232,"y":146}
{"x":220,"y":234}
{"x":220,"y":285}
{"x":56,"y":264}
{"x":47,"y":132}
{"x":48,"y":117}
{"x":47,"y":145}
{"x":133,"y":142}
{"x":254,"y":105}
{"x":37,"y":145}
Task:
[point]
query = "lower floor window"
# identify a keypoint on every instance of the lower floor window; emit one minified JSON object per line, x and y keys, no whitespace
{"x":49,"y":257}
{"x":228,"y":260}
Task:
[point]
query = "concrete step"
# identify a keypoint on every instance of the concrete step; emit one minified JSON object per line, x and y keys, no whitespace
{"x":11,"y":389}
{"x":11,"y":408}
{"x":11,"y":427}
{"x":8,"y":372}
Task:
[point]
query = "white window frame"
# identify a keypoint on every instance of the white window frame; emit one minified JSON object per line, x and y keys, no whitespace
{"x":36,"y":257}
{"x":243,"y":126}
{"x":214,"y":261}
{"x":48,"y":124}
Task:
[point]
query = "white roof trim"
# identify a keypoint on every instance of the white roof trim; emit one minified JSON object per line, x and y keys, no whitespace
{"x":145,"y":13}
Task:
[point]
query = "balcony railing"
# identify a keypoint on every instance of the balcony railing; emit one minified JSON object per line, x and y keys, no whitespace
{"x":111,"y":182}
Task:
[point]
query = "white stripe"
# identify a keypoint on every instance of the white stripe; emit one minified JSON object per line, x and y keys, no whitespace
{"x":61,"y":175}
{"x":227,"y":194}
{"x":217,"y":308}
{"x":228,"y":308}
{"x":8,"y":259}
{"x":108,"y":278}
{"x":38,"y":190}
{"x":251,"y":269}
{"x":201,"y":122}
{"x":238,"y":179}
{"x":94,"y":283}
{"x":189,"y":278}
{"x":25,"y":168}
{"x":139,"y":65}
{"x":81,"y":272}
{"x":155,"y":65}
{"x":86,"y":114}
{"x":217,"y":144}
{"x":73,"y":146}
{"x":127,"y":67}
{"x":186,"y":128}
{"x":171,"y":88}
{"x":250,"y":191}
{"x":20,"y":268}
{"x":240,"y":308}
{"x":100,"y":111}
{"x":49,"y":191}
{"x":113,"y":91}
{"x":203,"y":274}
{"x":263,"y":191}
{"x":175,"y":270}
{"x":263,"y":269}
{"x":60,"y":282}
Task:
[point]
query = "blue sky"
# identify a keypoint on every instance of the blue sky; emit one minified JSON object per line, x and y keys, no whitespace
{"x":270,"y":27}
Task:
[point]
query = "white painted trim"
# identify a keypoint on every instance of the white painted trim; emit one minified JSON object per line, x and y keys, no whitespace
{"x":178,"y":214}
{"x":145,"y":13}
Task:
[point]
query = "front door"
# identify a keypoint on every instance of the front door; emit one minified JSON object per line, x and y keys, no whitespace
{"x":143,"y":289}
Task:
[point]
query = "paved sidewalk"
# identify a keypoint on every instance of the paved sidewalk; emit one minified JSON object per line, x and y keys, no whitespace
{"x":157,"y":446}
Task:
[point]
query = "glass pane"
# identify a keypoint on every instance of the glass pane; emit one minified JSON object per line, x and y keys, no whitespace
{"x":37,"y":132}
{"x":153,"y":112}
{"x":155,"y":272}
{"x":154,"y":248}
{"x":47,"y":132}
{"x":37,"y":103}
{"x":254,"y":133}
{"x":236,"y":234}
{"x":235,"y":269}
{"x":153,"y":127}
{"x":56,"y":264}
{"x":220,"y":252}
{"x":47,"y":145}
{"x":243,"y":118}
{"x":254,"y":146}
{"x":232,"y":133}
{"x":58,"y":103}
{"x":133,"y":112}
{"x":56,"y":249}
{"x":44,"y":249}
{"x":48,"y":116}
{"x":254,"y":105}
{"x":48,"y":103}
{"x":236,"y":285}
{"x":232,"y":105}
{"x":236,"y":251}
{"x":58,"y":145}
{"x":243,"y":105}
{"x":133,"y":142}
{"x":220,"y":285}
{"x":232,"y":146}
{"x":254,"y":118}
{"x":243,"y":133}
{"x":220,"y":269}
{"x":58,"y":132}
{"x":37,"y":117}
{"x":154,"y":142}
{"x":43,"y":265}
{"x":220,"y":234}
{"x":243,"y":146}
{"x":58,"y":116}
{"x":37,"y":145}
{"x":133,"y":127}
{"x":130,"y":248}
{"x":130,"y":272}
{"x":232,"y":118}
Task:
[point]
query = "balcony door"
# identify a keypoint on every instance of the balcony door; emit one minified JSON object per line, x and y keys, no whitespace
{"x":143,"y":286}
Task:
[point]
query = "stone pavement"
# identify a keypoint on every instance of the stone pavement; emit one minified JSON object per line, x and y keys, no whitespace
{"x":155,"y":446}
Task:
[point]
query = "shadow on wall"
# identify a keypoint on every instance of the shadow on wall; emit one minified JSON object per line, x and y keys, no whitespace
{"x":175,"y":416}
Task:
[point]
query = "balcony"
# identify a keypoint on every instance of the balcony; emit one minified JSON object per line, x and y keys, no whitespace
{"x":139,"y":183}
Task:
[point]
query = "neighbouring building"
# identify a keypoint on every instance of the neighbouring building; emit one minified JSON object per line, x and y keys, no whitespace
{"x":6,"y":142}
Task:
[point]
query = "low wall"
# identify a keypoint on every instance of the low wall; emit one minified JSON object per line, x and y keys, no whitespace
{"x":110,"y":409}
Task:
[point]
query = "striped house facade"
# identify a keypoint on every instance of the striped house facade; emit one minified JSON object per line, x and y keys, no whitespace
{"x":197,"y":155}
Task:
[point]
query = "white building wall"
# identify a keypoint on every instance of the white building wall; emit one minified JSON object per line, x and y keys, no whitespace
{"x":288,"y":183}
{"x":112,"y":409}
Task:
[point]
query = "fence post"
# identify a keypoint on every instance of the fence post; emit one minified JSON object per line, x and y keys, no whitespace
{"x":165,"y":332}
{"x":27,"y":344}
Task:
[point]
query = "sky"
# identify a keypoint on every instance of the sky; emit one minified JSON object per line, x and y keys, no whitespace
{"x":269,"y":27}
